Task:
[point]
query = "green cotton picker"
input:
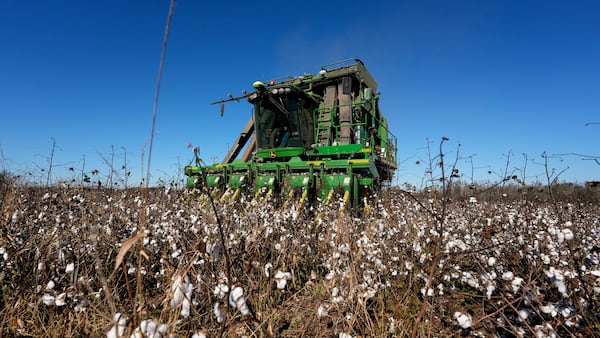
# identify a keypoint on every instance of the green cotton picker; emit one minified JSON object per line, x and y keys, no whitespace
{"x":313,"y":137}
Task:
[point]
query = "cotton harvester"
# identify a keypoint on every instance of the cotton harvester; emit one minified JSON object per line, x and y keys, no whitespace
{"x":312,"y":137}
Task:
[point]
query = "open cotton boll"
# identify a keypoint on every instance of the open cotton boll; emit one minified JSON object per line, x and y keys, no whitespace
{"x":151,"y":329}
{"x":48,"y":299}
{"x":524,"y":314}
{"x":516,"y":284}
{"x":182,"y":293}
{"x":281,"y":278}
{"x":549,"y":309}
{"x":322,"y":311}
{"x":464,"y":320}
{"x":268,"y":267}
{"x":567,"y":234}
{"x":118,"y":329}
{"x":221,"y":290}
{"x":70,"y":268}
{"x":236,"y":299}
{"x":508,"y":275}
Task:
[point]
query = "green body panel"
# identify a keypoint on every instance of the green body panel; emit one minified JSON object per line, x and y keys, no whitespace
{"x":298,"y":181}
{"x":279,"y":152}
{"x":238,"y":180}
{"x":265,"y":181}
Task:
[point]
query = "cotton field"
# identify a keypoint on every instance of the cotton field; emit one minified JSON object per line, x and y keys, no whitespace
{"x":160,"y":263}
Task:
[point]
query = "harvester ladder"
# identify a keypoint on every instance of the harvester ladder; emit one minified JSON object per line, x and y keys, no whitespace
{"x":324,"y":121}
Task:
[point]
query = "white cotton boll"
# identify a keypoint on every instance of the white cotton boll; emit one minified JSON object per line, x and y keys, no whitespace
{"x":118,"y":329}
{"x":549,"y":309}
{"x":336,"y":297}
{"x":50,"y":285}
{"x":427,"y":292}
{"x":566,"y":311}
{"x":464,"y":320}
{"x":344,"y":335}
{"x":516,"y":284}
{"x":218,"y":313}
{"x":491,"y":261}
{"x":524,"y":314}
{"x":369,"y":293}
{"x":70,"y":268}
{"x":268,"y":267}
{"x":322,"y":311}
{"x":178,"y":295}
{"x":221,"y":290}
{"x":595,"y":273}
{"x":60,"y":300}
{"x":567,"y":234}
{"x":48,"y":299}
{"x":545,"y":259}
{"x":562,"y":288}
{"x":489,"y":290}
{"x":149,"y":328}
{"x":508,"y":275}
{"x":281,"y":278}
{"x":440,"y":288}
{"x":236,"y":299}
{"x":182,"y":294}
{"x":335,"y":291}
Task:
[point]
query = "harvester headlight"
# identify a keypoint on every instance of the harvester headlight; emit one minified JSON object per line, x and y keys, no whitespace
{"x":274,"y":91}
{"x":253,"y":97}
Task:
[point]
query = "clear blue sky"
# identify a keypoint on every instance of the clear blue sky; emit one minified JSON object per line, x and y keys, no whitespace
{"x":497,"y":77}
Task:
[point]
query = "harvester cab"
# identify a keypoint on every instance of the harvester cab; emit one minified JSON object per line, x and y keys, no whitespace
{"x":312,"y":137}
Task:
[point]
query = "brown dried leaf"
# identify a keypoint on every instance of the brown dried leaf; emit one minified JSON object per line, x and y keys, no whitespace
{"x":125,"y":247}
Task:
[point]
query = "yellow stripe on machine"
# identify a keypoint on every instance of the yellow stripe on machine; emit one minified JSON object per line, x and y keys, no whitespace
{"x":361,"y":161}
{"x":315,"y":162}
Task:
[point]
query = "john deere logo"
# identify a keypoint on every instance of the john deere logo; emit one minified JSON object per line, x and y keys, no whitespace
{"x":272,"y":154}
